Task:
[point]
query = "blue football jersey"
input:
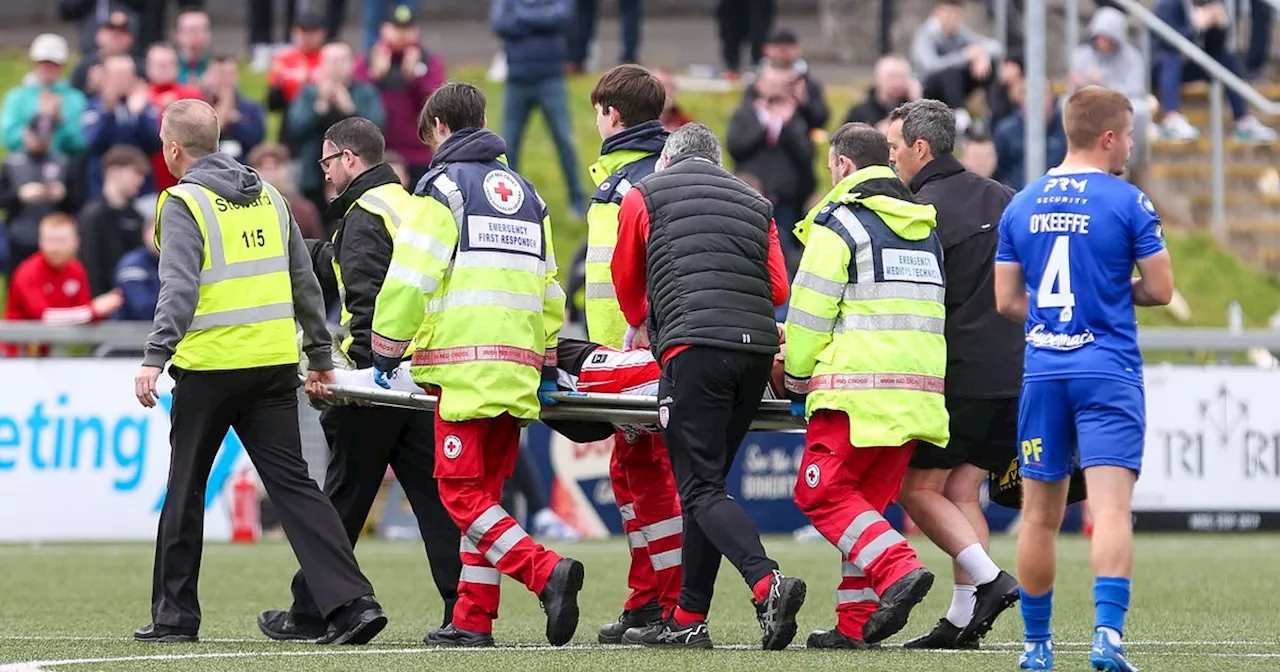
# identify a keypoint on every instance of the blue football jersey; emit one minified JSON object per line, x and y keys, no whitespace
{"x":1077,"y":235}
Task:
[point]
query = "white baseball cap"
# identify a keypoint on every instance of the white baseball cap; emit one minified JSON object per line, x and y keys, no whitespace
{"x":50,"y":48}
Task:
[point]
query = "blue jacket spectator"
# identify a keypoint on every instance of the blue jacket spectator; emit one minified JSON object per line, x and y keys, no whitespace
{"x":1011,"y":150}
{"x":138,"y":278}
{"x":121,"y":114}
{"x":534,"y":37}
{"x":46,"y":93}
{"x":244,"y":123}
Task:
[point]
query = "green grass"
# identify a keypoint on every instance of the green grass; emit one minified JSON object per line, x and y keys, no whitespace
{"x":1208,"y":276}
{"x":1200,"y":603}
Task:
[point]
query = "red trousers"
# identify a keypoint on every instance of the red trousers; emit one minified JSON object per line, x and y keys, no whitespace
{"x":473,"y":460}
{"x":844,"y":491}
{"x":645,"y":490}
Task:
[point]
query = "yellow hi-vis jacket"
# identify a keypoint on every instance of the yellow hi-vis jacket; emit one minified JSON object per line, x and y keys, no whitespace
{"x":393,"y":204}
{"x":483,"y":321}
{"x":865,"y":324}
{"x":606,"y":324}
{"x":244,"y":317}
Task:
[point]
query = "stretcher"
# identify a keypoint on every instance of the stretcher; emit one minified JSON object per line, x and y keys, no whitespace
{"x":619,"y":409}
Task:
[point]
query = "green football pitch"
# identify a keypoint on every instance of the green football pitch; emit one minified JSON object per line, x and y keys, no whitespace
{"x":1200,"y":603}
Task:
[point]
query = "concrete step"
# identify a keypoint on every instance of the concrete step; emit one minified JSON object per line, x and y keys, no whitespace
{"x":1194,"y":177}
{"x":1199,"y":151}
{"x":1245,"y":211}
{"x":1197,"y":93}
{"x":1200,"y":118}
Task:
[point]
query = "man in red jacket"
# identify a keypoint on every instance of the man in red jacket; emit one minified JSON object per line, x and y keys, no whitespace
{"x":162,"y":75}
{"x":703,"y":248}
{"x":52,"y":287}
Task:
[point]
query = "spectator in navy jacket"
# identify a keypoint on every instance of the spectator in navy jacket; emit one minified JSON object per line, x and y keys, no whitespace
{"x":534,"y":39}
{"x":244,"y":124}
{"x":121,"y":114}
{"x":1010,"y":139}
{"x":110,"y":226}
{"x":138,"y":278}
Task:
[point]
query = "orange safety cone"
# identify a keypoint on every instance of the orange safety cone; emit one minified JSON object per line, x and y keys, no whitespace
{"x":246,"y":511}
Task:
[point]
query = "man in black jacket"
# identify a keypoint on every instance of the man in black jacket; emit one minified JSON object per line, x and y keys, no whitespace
{"x":701,"y":248}
{"x":363,"y":441}
{"x":984,"y":373}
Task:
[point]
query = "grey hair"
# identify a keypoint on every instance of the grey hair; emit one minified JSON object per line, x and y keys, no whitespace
{"x":694,"y":139}
{"x":931,"y":120}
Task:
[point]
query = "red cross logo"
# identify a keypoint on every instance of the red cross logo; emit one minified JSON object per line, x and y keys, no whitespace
{"x":503,"y":190}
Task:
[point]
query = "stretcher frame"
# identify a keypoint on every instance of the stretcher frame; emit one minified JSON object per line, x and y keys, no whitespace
{"x":774,"y":415}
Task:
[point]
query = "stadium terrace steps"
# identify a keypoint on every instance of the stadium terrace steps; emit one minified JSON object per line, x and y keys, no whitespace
{"x":1179,"y":180}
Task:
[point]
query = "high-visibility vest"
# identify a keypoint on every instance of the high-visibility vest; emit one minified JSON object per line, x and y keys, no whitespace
{"x":244,"y":318}
{"x":393,"y":204}
{"x":472,"y":290}
{"x":865,"y":324}
{"x":606,"y":324}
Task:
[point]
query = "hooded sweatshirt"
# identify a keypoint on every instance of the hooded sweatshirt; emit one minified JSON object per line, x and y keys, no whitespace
{"x":183,"y":254}
{"x":1122,"y":70}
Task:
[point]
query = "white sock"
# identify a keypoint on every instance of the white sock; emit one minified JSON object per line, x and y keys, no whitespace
{"x":978,"y":564}
{"x":1112,"y":635}
{"x":961,"y":610}
{"x":1027,"y":646}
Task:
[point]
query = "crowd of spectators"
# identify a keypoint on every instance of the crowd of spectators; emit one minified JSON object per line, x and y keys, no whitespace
{"x":84,"y":166}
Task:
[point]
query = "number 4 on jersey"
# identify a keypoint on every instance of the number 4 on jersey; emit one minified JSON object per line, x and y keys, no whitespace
{"x":1057,"y":273}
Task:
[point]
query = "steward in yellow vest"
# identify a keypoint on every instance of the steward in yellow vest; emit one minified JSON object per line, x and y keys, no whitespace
{"x":234,"y":276}
{"x":865,"y":350}
{"x":364,"y":441}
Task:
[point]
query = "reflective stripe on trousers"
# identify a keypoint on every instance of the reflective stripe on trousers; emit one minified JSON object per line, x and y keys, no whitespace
{"x":875,"y":547}
{"x":505,"y":542}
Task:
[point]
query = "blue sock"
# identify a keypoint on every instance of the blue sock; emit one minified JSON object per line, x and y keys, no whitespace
{"x":1037,"y":611}
{"x":1111,"y":601}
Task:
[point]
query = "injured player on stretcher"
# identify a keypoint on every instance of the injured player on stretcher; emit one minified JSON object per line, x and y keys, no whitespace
{"x":583,"y":367}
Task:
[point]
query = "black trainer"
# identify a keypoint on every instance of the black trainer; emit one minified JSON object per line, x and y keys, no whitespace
{"x":283,"y":626}
{"x":896,"y":603}
{"x":356,"y":623}
{"x":777,"y":614}
{"x":944,"y":636}
{"x":670,"y":635}
{"x":450,"y":635}
{"x":991,"y":600}
{"x":560,"y":600}
{"x":165,"y":633}
{"x":645,"y":615}
{"x":834,"y":639}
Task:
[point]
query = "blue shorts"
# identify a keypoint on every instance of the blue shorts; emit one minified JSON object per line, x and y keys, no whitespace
{"x":1086,"y":421}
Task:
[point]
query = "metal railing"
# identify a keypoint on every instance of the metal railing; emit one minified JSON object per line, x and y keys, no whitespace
{"x":108,"y":337}
{"x":1219,"y":77}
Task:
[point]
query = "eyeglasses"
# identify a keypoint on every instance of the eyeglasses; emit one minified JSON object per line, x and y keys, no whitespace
{"x":324,"y":162}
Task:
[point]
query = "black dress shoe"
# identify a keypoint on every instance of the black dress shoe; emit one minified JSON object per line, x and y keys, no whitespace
{"x":450,"y":635}
{"x":990,"y":600}
{"x":896,"y":604}
{"x":165,"y":633}
{"x":283,"y":626}
{"x":645,"y":615}
{"x":944,"y":636}
{"x":560,"y":600}
{"x":357,"y":622}
{"x":834,"y":639}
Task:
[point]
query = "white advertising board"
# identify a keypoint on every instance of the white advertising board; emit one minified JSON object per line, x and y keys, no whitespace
{"x":1213,"y":445}
{"x":81,"y":459}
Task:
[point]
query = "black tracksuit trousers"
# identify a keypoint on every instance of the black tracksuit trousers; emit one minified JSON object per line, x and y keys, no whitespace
{"x":707,"y":398}
{"x":363,"y":442}
{"x":262,"y":406}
